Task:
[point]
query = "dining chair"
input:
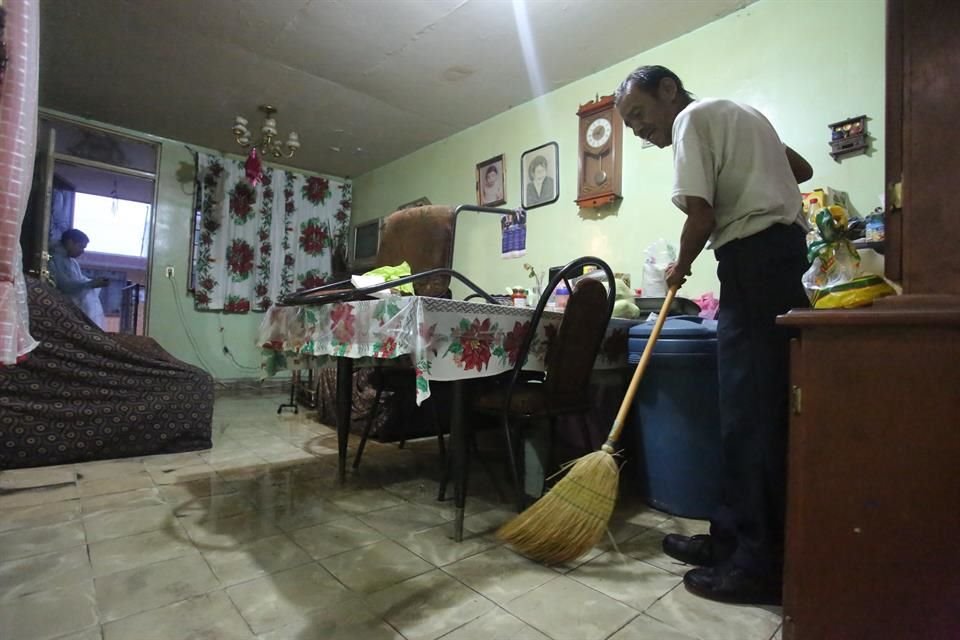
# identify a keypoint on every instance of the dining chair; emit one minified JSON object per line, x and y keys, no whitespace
{"x":563,"y":389}
{"x":396,"y":380}
{"x":423,"y":237}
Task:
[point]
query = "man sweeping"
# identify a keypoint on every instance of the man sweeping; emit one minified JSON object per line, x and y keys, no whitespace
{"x":737,"y":184}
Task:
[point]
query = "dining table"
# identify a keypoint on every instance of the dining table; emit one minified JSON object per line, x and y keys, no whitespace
{"x":444,"y":340}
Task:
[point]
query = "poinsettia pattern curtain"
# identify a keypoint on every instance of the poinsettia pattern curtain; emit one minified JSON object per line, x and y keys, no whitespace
{"x":260,"y":242}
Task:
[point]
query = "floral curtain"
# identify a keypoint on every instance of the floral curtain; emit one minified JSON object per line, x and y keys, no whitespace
{"x":260,"y":242}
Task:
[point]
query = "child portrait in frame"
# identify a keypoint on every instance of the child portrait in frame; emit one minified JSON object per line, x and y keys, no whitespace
{"x":490,"y":182}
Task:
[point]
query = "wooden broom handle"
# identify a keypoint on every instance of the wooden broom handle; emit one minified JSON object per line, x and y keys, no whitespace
{"x":618,"y":422}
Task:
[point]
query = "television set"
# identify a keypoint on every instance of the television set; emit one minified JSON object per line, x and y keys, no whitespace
{"x":366,"y":243}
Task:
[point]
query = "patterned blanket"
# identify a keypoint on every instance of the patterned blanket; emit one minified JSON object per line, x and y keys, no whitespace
{"x":88,"y":395}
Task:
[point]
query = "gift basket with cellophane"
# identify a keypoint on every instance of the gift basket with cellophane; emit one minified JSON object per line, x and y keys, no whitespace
{"x":835,"y":278}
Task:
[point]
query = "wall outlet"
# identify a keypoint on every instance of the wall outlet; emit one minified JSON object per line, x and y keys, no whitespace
{"x":168,"y":271}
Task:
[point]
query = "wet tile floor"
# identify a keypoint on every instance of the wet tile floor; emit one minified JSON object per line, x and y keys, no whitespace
{"x":255,"y":539}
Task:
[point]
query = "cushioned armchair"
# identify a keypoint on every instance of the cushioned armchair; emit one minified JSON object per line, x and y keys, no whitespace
{"x":423,"y":237}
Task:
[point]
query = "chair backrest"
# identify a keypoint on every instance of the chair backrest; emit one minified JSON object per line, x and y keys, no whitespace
{"x":571,"y":353}
{"x":423,"y":238}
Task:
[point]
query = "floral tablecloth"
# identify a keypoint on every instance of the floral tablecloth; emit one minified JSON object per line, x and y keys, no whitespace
{"x":445,"y":339}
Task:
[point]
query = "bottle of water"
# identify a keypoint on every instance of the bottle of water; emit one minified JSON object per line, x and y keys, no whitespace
{"x":562,"y":295}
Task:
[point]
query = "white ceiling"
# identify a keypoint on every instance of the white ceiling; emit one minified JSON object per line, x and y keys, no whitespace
{"x":377,"y":79}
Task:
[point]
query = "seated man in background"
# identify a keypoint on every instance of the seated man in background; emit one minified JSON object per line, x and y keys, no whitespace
{"x":70,"y":279}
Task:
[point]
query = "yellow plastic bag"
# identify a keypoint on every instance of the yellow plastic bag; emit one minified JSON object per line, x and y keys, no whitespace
{"x":394,"y":273}
{"x":858,"y":292}
{"x":834,"y":279}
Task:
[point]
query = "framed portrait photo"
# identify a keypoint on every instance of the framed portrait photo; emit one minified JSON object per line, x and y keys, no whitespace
{"x":490,"y":182}
{"x":541,"y":175}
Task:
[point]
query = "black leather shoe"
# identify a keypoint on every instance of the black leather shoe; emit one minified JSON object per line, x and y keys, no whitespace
{"x":733,"y":585}
{"x":696,"y":550}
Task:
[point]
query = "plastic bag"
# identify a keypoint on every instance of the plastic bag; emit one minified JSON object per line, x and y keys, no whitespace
{"x":708,"y":306}
{"x":624,"y":306}
{"x":835,"y":279}
{"x":385,"y":274}
{"x":658,"y":256}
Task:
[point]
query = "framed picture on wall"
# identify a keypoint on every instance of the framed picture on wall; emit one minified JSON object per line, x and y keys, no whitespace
{"x":490,"y":182}
{"x":419,"y":202}
{"x":540,"y":169}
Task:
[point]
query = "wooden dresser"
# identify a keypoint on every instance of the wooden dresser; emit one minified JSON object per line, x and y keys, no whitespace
{"x":873,"y":504}
{"x":873,"y":516}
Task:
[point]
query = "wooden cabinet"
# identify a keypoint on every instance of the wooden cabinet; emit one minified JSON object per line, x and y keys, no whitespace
{"x":873,"y":499}
{"x":873,"y":518}
{"x":922,"y":147}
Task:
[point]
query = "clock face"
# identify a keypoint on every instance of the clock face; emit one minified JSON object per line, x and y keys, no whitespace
{"x":598,"y":132}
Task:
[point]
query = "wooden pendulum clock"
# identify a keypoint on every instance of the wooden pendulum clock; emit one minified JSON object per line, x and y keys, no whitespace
{"x":600,"y":153}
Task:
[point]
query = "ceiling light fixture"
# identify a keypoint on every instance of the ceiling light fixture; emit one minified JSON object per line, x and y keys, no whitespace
{"x":269,"y":144}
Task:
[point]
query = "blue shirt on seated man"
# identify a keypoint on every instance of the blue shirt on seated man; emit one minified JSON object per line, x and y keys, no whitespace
{"x":69,"y":277}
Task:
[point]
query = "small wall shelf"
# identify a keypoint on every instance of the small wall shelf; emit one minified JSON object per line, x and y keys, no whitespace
{"x":848,"y":137}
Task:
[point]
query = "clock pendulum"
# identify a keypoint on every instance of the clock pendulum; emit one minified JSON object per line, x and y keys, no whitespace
{"x":600,"y":176}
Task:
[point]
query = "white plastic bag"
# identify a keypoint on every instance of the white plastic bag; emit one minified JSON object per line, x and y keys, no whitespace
{"x":363,"y":281}
{"x":658,"y":256}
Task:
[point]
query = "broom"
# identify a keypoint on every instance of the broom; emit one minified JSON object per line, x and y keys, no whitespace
{"x":572,"y":517}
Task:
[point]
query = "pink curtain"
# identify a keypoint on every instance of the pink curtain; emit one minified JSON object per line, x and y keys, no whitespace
{"x":18,"y":133}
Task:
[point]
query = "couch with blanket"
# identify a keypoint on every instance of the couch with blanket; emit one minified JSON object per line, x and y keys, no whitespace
{"x":83,"y":394}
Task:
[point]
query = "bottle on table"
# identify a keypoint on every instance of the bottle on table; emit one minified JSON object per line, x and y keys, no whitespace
{"x":562,"y":294}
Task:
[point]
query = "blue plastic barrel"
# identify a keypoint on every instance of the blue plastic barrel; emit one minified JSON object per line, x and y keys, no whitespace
{"x":675,"y":419}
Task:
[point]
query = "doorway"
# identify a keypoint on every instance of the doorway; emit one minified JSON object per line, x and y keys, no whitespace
{"x":103,"y":184}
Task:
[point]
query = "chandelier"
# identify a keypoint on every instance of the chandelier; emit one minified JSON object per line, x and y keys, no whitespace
{"x":269,"y":143}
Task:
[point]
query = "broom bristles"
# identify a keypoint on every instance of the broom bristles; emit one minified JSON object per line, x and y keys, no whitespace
{"x":572,"y":517}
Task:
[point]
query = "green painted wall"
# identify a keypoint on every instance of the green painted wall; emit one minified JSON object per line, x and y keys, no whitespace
{"x":803,"y":63}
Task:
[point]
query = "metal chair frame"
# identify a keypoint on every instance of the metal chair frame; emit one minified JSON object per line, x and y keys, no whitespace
{"x":343,"y":291}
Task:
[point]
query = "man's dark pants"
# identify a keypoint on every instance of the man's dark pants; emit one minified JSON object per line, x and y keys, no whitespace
{"x":760,"y":278}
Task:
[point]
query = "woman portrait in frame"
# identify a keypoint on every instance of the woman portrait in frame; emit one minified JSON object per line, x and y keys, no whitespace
{"x":541,"y":175}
